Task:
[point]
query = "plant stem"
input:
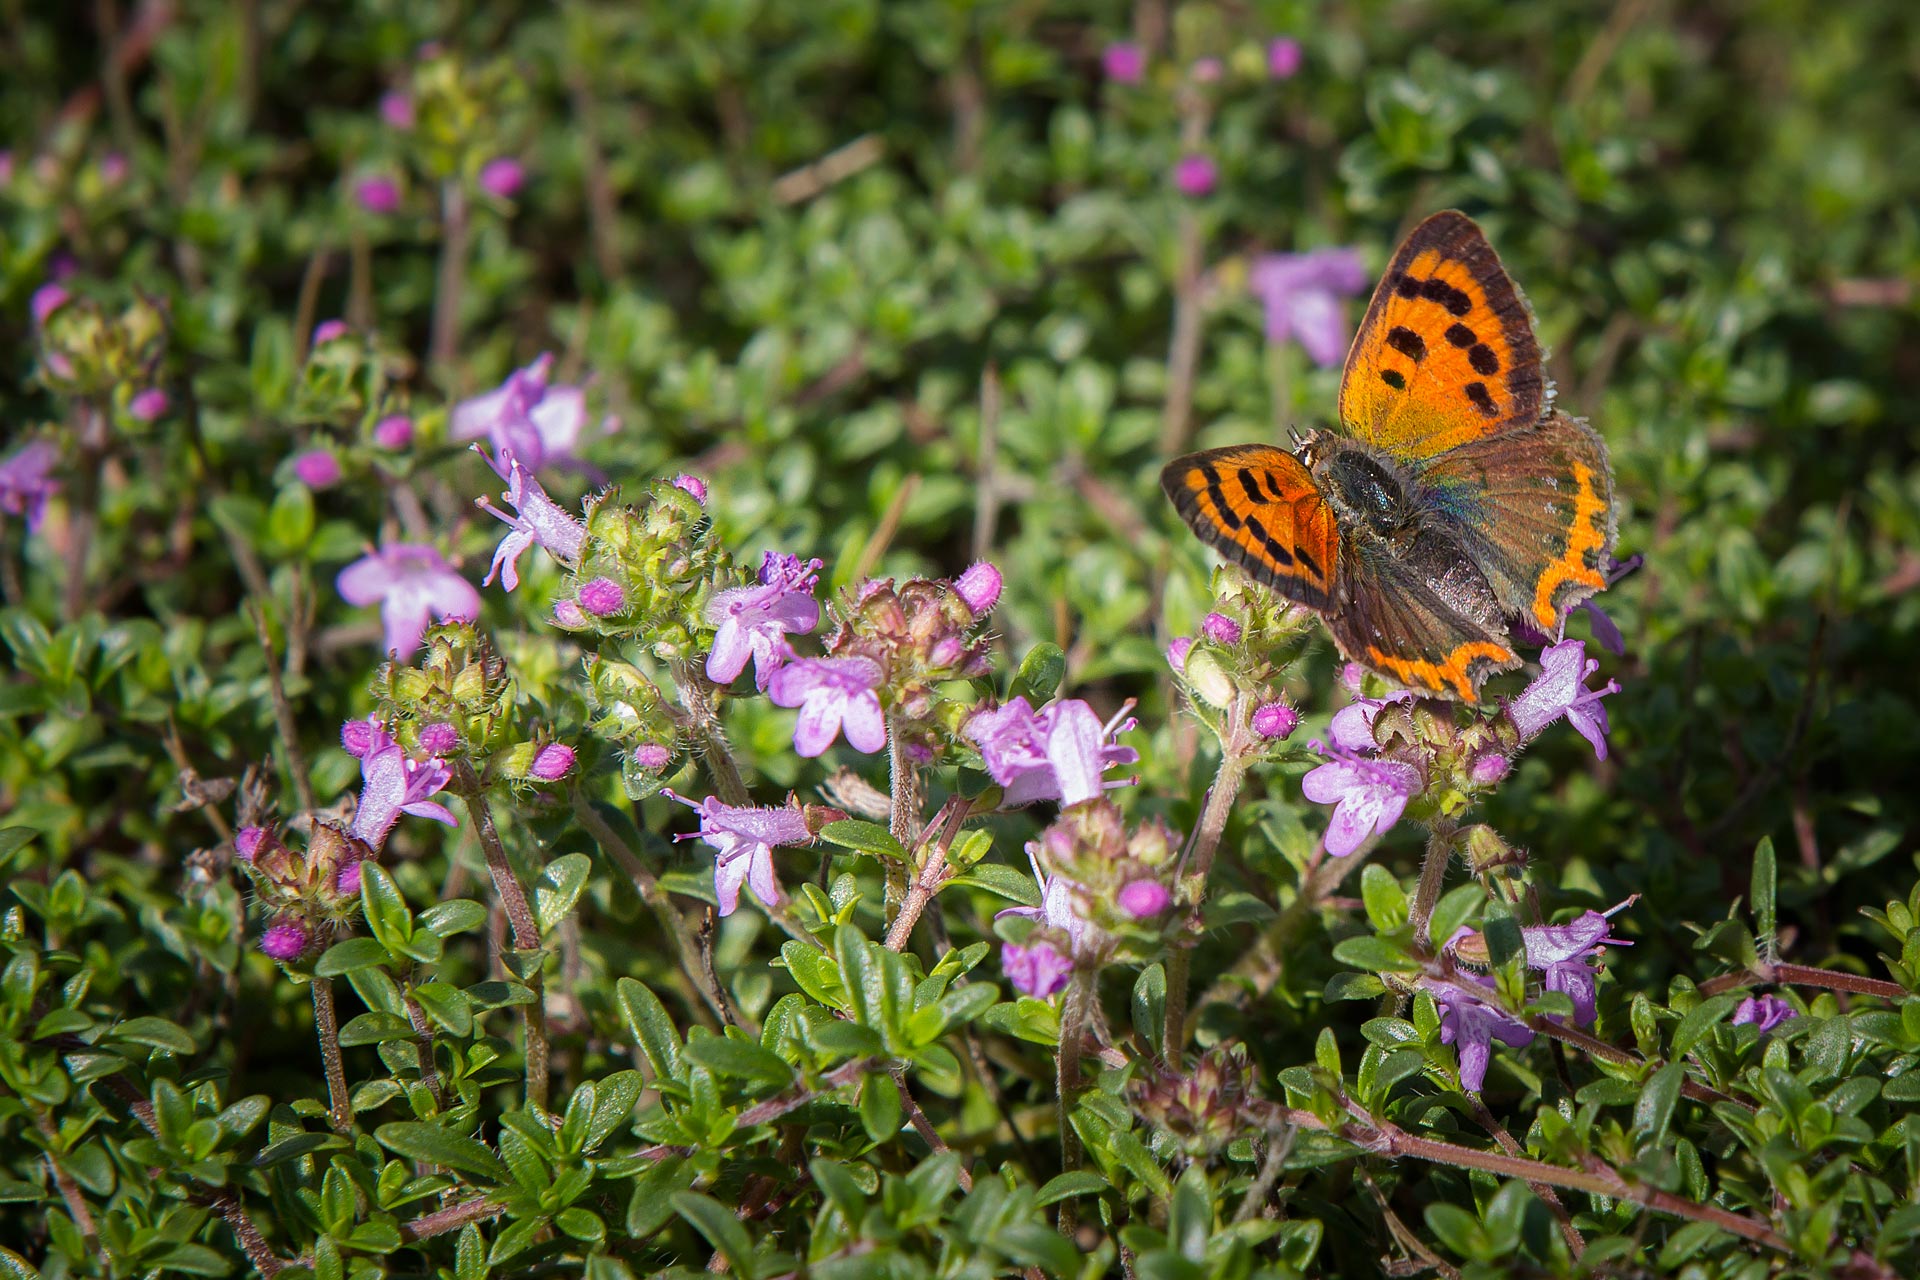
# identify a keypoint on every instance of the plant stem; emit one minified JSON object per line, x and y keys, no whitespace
{"x":1193,"y":888}
{"x":526,"y":933}
{"x":1801,"y":975}
{"x":252,"y":1243}
{"x":282,"y":709}
{"x":326,"y":1025}
{"x":924,"y":1127}
{"x":656,"y":899}
{"x":903,"y":815}
{"x":69,"y":1189}
{"x":1433,"y":876}
{"x":451,"y":281}
{"x":1073,"y":1028}
{"x":711,"y":737}
{"x":423,"y":1046}
{"x":933,"y":874}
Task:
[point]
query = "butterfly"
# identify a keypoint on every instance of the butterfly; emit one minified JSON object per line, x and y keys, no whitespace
{"x":1454,"y":500}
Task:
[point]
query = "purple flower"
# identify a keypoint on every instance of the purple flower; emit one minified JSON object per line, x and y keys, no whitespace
{"x":1767,"y":1012}
{"x":554,"y":762}
{"x":25,"y":483}
{"x":693,"y":486}
{"x":1301,"y":293}
{"x":602,"y":597}
{"x":378,"y":194}
{"x":393,"y":783}
{"x":1037,"y":970}
{"x":980,"y":587}
{"x":1060,"y":752}
{"x":317,"y":469}
{"x":1275,"y":720}
{"x":285,"y":939}
{"x":1488,"y":768}
{"x":1561,"y":952}
{"x":327,"y":330}
{"x":408,"y":581}
{"x":148,"y":405}
{"x":113,"y":168}
{"x":754,"y":621}
{"x":568,"y":614}
{"x":396,"y":108}
{"x":348,"y":881}
{"x":1220,"y":629}
{"x":1283,"y":58}
{"x":1195,"y":174}
{"x":438,"y":739}
{"x":743,"y":840}
{"x":1124,"y":61}
{"x":1368,"y":796}
{"x":536,"y":422}
{"x":1143,"y":898}
{"x":832,"y":694}
{"x":1351,"y":728}
{"x":1471,"y":1024}
{"x":503,"y":177}
{"x":1177,"y":653}
{"x":1560,"y":690}
{"x":46,"y":300}
{"x":394,"y":431}
{"x":247,"y":841}
{"x":357,"y":737}
{"x":652,"y":756}
{"x":536,"y":519}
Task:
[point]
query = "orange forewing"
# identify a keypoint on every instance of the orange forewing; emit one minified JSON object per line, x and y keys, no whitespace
{"x":1446,"y":353}
{"x":1259,"y":506}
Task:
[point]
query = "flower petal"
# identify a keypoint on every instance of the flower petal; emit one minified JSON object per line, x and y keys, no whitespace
{"x":864,"y":723}
{"x":819,"y":722}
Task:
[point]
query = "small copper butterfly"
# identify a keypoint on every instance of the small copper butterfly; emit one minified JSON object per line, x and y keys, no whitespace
{"x":1454,"y":500}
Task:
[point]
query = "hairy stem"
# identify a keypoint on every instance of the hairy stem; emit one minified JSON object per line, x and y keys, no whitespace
{"x":423,"y":1045}
{"x":69,"y":1189}
{"x":326,"y":1027}
{"x":451,"y":282}
{"x":903,"y":815}
{"x":282,"y":709}
{"x":526,"y":933}
{"x":933,"y":874}
{"x":1433,"y":876}
{"x":1074,"y":1011}
{"x":1800,"y":975}
{"x":1193,"y":888}
{"x":709,"y":735}
{"x":924,"y":1127}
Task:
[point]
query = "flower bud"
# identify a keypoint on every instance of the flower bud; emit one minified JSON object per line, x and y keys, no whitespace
{"x":651,"y":755}
{"x":1209,"y":679}
{"x":285,"y":939}
{"x":980,"y":587}
{"x":47,"y":299}
{"x":357,"y":735}
{"x":1177,"y":654}
{"x":348,"y":881}
{"x":1488,"y":768}
{"x":148,"y":405}
{"x":1275,"y":720}
{"x":503,"y":177}
{"x":602,"y":597}
{"x":1143,"y":898}
{"x":317,"y":469}
{"x":438,"y":739}
{"x":553,"y":763}
{"x":377,"y":194}
{"x":246,"y":844}
{"x":569,"y":615}
{"x":693,"y":486}
{"x":393,"y":432}
{"x":1220,"y":629}
{"x":327,"y":330}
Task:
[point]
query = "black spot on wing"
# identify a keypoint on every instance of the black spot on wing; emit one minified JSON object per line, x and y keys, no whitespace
{"x":1251,"y":489}
{"x":1477,"y":392}
{"x":1456,"y":302}
{"x":1483,"y":360}
{"x":1406,"y":286}
{"x":1227,"y":515}
{"x":1461,"y":336}
{"x":1393,"y":379}
{"x":1407,"y":343}
{"x":1279,"y":553}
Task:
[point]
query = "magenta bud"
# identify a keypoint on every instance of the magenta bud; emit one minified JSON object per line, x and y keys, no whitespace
{"x":1488,"y":768}
{"x":377,"y":195}
{"x":1208,"y":70}
{"x":568,"y":614}
{"x":393,"y":432}
{"x":148,"y":405}
{"x":980,"y":587}
{"x":1195,"y":174}
{"x":327,"y":330}
{"x":1283,"y":58}
{"x":603,"y":597}
{"x":439,"y":738}
{"x":693,"y":485}
{"x":1275,"y":720}
{"x":47,"y":299}
{"x":113,"y":168}
{"x":1177,"y":653}
{"x":651,"y":755}
{"x":317,"y":469}
{"x":357,"y":736}
{"x":1124,"y":62}
{"x":1220,"y":629}
{"x":553,"y":763}
{"x":503,"y":177}
{"x":1143,"y":898}
{"x":396,"y":108}
{"x":348,"y":881}
{"x":946,"y":651}
{"x":246,"y":844}
{"x":285,"y":940}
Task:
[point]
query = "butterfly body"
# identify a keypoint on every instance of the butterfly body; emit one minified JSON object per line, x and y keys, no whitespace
{"x":1453,"y":500}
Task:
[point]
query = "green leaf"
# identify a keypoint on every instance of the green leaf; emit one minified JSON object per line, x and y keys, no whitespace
{"x":1353,"y":986}
{"x":418,"y":1140}
{"x":1150,"y":1004}
{"x":374,"y":1028}
{"x":880,"y":1110}
{"x":1376,"y":955}
{"x":13,"y":840}
{"x":558,"y":888}
{"x":1385,"y":900}
{"x":1699,"y":1020}
{"x":457,"y":915}
{"x":651,"y":1028}
{"x":157,"y":1032}
{"x":1765,"y":884}
{"x":300,"y":1144}
{"x":722,"y":1230}
{"x":1064,"y":1186}
{"x":864,"y":837}
{"x":650,"y":1206}
{"x":388,"y":918}
{"x":1654,"y":1110}
{"x":1040,"y":673}
{"x":997,"y":878}
{"x":739,"y":1059}
{"x":1454,"y":909}
{"x":346,"y":956}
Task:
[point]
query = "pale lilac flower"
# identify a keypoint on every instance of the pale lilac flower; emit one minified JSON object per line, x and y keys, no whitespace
{"x":1275,"y":720}
{"x":113,"y":168}
{"x":743,"y":840}
{"x":651,"y":755}
{"x":1143,"y":898}
{"x":348,"y":881}
{"x":46,"y":300}
{"x":755,"y":621}
{"x":503,"y":177}
{"x":537,"y":422}
{"x":1124,"y":61}
{"x":1767,"y":1012}
{"x":1351,"y":729}
{"x":1060,"y":752}
{"x":554,"y":762}
{"x":438,"y":738}
{"x":396,"y":108}
{"x":980,"y":587}
{"x":832,"y":694}
{"x":1302,"y":295}
{"x":1036,"y":969}
{"x":409,"y":582}
{"x":1561,"y":952}
{"x":26,"y":481}
{"x":393,"y":783}
{"x":328,"y":330}
{"x":693,"y":486}
{"x":1560,"y":690}
{"x":247,"y":841}
{"x":569,"y":615}
{"x":1220,"y":629}
{"x":602,"y":597}
{"x":285,"y":940}
{"x":1177,"y":653}
{"x":536,"y":519}
{"x":317,"y":469}
{"x":379,"y":194}
{"x":1195,"y":174}
{"x":395,"y":431}
{"x":148,"y":405}
{"x":1368,"y":795}
{"x":1283,"y":58}
{"x":1471,"y":1024}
